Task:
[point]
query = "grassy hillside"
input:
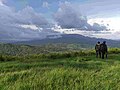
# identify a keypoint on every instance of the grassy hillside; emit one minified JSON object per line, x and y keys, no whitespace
{"x":66,"y":71}
{"x":13,"y":49}
{"x":20,"y":50}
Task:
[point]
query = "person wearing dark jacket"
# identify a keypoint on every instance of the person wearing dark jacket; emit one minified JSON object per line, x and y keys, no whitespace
{"x":97,"y":49}
{"x":104,"y":50}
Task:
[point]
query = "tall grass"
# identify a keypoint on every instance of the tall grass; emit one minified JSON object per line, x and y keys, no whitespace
{"x":60,"y":71}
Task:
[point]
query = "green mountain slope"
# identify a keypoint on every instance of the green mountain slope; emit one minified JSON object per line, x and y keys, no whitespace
{"x":15,"y":49}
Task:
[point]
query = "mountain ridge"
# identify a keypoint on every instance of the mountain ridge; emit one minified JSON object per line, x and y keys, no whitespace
{"x":71,"y":39}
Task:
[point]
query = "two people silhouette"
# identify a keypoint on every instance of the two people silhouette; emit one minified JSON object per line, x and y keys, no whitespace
{"x":101,"y":49}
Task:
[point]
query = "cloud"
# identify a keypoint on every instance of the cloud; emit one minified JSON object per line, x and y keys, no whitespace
{"x":67,"y":17}
{"x":21,"y":25}
{"x":98,"y":27}
{"x":45,"y":5}
{"x":28,"y":24}
{"x":33,"y":27}
{"x":99,"y":8}
{"x":1,"y":2}
{"x":29,"y":16}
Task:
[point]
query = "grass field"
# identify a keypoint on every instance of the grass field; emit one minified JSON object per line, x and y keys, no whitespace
{"x":73,"y":73}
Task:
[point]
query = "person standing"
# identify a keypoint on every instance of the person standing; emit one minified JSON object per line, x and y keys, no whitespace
{"x":97,"y":49}
{"x":104,"y":49}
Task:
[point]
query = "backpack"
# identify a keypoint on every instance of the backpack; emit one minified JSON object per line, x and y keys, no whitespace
{"x":97,"y":47}
{"x":103,"y":47}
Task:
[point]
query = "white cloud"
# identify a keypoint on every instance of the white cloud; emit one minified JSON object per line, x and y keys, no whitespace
{"x":33,"y":27}
{"x":113,"y":23}
{"x":45,"y":5}
{"x":98,"y":34}
{"x":1,"y":2}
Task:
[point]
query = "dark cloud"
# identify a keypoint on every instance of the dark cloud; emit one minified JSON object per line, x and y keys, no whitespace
{"x":29,"y":16}
{"x":11,"y":21}
{"x":98,"y":27}
{"x":68,"y":16}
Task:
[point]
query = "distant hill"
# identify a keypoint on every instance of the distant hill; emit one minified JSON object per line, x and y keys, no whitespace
{"x":72,"y":39}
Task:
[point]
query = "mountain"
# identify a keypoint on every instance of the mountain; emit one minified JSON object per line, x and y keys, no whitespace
{"x":71,"y":39}
{"x":65,"y":43}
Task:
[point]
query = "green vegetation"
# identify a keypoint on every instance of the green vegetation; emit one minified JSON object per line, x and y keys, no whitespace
{"x":14,"y":50}
{"x":20,"y":50}
{"x":61,"y":71}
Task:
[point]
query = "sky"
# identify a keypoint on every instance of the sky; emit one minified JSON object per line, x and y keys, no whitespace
{"x":36,"y":19}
